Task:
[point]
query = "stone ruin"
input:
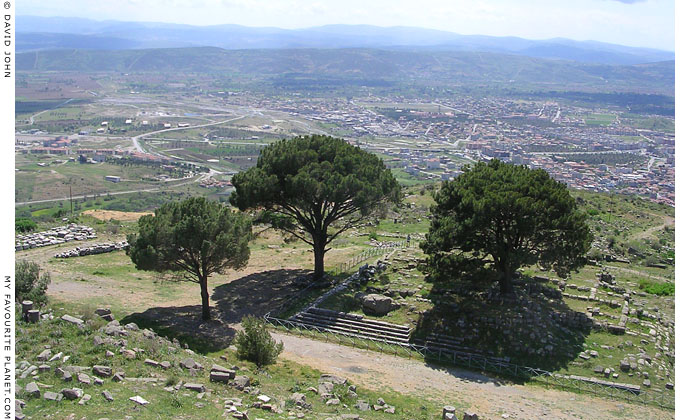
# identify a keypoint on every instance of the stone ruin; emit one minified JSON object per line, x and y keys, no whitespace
{"x":94,"y":249}
{"x":606,"y":277}
{"x":54,"y":236}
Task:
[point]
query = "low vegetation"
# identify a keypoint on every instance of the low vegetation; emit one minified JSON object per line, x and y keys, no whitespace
{"x":31,"y":284}
{"x":254,"y":343}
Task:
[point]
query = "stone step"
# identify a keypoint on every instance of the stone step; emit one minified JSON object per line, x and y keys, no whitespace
{"x":353,"y":329}
{"x":358,"y":320}
{"x":357,"y":325}
{"x":352,"y":333}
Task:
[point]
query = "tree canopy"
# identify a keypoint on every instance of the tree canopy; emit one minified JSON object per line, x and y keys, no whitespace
{"x":194,"y":238}
{"x":31,"y":284}
{"x":505,"y":216}
{"x":315,"y":187}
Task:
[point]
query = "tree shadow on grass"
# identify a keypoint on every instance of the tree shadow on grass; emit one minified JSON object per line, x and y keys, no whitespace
{"x":184,"y":323}
{"x":257,"y":293}
{"x":254,"y":294}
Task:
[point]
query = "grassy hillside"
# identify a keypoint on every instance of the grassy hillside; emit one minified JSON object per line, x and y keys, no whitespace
{"x":132,"y":352}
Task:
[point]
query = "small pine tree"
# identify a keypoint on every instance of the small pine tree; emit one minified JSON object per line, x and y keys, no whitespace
{"x":31,"y":284}
{"x":255,"y":343}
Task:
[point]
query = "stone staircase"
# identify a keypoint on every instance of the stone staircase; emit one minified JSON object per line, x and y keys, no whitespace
{"x":354,"y":325}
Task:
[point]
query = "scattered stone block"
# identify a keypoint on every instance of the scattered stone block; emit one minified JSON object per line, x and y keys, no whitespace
{"x":332,"y":379}
{"x":32,"y":389}
{"x":362,"y":405}
{"x":52,"y":396}
{"x":44,"y":355}
{"x":72,"y":393}
{"x":103,"y":311}
{"x":129,"y":354}
{"x":325,"y":388}
{"x":241,"y":382}
{"x":72,"y":320}
{"x":86,"y":398}
{"x":195,"y":387}
{"x":132,"y":326}
{"x":102,"y":371}
{"x":299,"y":399}
{"x":138,"y":399}
{"x":108,"y":396}
{"x":217,"y":376}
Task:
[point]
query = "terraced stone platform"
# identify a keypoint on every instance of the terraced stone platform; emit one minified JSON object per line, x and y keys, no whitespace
{"x":354,"y":325}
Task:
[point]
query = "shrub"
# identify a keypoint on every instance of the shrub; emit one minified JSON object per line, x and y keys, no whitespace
{"x":31,"y":284}
{"x":24,"y":225}
{"x":255,"y":343}
{"x":659,"y":289}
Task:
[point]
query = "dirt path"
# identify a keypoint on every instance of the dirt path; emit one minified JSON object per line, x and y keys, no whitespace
{"x":668,"y":221}
{"x":488,"y":397}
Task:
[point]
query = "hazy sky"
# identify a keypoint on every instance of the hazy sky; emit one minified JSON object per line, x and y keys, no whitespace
{"x":643,"y":23}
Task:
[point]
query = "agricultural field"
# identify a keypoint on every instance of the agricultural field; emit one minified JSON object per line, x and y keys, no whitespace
{"x":600,"y":119}
{"x":45,"y":177}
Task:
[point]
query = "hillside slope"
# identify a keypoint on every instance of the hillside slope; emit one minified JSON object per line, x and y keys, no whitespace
{"x":373,"y":66}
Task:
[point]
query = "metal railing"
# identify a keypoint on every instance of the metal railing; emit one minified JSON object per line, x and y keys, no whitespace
{"x":371,"y":252}
{"x":346,"y":267}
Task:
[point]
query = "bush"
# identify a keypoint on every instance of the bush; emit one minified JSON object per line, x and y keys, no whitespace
{"x":255,"y":343}
{"x":31,"y":285}
{"x":659,"y":289}
{"x":24,"y":225}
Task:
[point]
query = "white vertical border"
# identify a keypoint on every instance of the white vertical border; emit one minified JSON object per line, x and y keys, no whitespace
{"x":7,"y":81}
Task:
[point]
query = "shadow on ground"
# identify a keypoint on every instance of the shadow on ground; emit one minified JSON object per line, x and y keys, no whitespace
{"x":532,"y":328}
{"x":257,"y":293}
{"x":254,"y":294}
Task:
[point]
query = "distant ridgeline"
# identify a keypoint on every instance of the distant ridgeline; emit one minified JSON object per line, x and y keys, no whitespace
{"x":325,"y":68}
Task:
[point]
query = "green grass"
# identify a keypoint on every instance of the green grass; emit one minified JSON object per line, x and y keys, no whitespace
{"x":407,"y":180}
{"x":659,"y":289}
{"x":600,"y":119}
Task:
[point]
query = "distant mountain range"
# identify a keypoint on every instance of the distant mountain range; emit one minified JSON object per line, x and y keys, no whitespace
{"x":47,"y":33}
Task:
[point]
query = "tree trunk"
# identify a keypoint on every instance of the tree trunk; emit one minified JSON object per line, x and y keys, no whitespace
{"x":319,"y":253}
{"x":205,"y":305}
{"x":506,"y":282}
